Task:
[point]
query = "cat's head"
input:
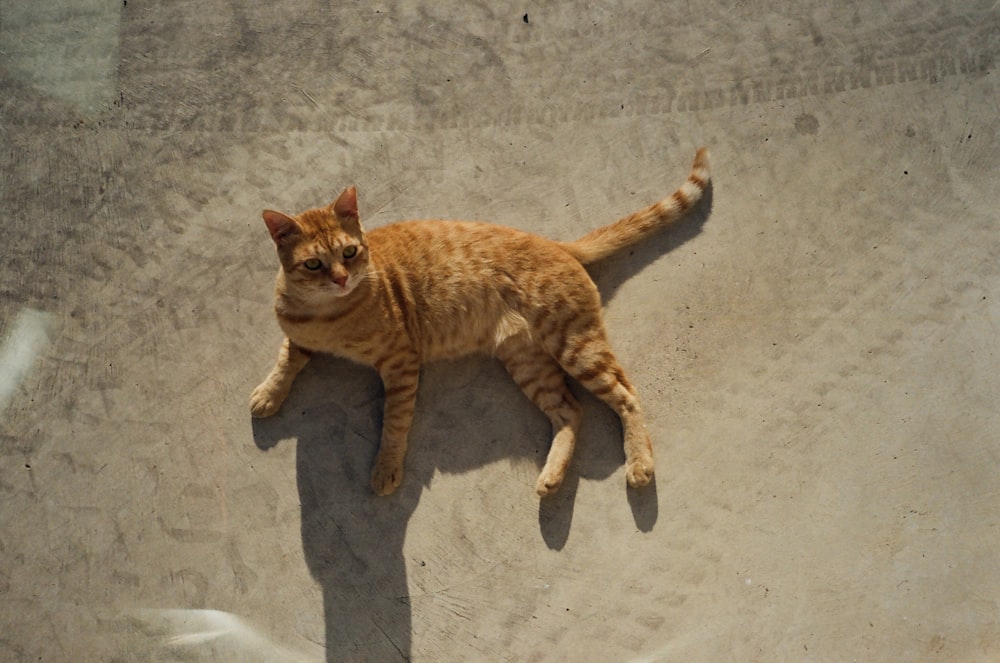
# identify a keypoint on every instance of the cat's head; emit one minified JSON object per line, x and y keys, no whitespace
{"x":323,"y":251}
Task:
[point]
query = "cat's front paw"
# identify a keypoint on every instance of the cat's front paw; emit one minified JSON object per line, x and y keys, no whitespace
{"x":265,"y":400}
{"x":639,"y":471}
{"x":386,"y":475}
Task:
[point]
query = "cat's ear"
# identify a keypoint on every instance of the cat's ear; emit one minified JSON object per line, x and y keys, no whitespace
{"x":281,"y":226}
{"x":346,"y":205}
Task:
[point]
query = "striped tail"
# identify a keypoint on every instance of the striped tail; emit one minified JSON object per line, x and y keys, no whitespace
{"x":603,"y":242}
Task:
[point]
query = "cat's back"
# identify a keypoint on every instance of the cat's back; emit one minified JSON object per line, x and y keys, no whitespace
{"x":458,"y":281}
{"x":448,"y":240}
{"x":459,"y":250}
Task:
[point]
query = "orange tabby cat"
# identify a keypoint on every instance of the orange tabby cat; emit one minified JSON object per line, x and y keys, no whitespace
{"x":412,"y":292}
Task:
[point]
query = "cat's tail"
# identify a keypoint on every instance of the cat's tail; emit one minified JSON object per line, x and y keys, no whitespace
{"x":603,"y":242}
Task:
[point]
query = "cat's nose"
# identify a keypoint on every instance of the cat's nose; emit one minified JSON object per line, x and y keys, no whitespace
{"x":340,"y":280}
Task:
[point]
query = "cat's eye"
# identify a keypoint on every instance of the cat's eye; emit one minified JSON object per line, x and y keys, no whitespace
{"x":313,"y":263}
{"x":350,"y":251}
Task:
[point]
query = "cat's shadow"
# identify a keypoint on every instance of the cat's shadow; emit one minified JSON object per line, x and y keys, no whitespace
{"x":470,"y":414}
{"x":352,"y":540}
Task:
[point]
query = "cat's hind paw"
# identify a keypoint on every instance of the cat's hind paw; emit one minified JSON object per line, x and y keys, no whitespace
{"x":265,"y":401}
{"x":639,"y":472}
{"x":386,"y":476}
{"x":548,"y":482}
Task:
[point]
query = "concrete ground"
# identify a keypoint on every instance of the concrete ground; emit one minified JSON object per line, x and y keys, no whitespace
{"x":816,"y":347}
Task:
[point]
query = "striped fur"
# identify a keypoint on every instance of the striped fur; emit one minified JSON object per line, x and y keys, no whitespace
{"x":411,"y":292}
{"x":635,"y":227}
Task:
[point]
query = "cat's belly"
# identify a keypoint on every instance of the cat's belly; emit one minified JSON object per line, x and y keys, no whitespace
{"x":438,"y":349}
{"x":476,"y":333}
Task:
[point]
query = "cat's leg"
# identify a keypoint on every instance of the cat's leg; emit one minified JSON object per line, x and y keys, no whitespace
{"x":267,"y":398}
{"x":582,"y":349}
{"x":543,"y":381}
{"x":400,"y":376}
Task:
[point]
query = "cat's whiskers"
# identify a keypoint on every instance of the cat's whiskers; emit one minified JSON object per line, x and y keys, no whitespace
{"x":370,"y":275}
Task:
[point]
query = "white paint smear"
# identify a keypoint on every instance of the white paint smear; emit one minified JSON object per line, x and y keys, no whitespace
{"x":26,"y":339}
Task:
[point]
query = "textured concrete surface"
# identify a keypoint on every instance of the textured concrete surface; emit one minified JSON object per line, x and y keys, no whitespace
{"x":816,"y":348}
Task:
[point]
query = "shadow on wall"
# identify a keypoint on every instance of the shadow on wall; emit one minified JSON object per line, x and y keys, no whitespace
{"x":469,"y":415}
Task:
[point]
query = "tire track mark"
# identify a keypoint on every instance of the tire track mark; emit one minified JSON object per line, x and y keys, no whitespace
{"x":393,"y":81}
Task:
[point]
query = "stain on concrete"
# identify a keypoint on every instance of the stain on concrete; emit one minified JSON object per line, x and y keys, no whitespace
{"x":807,"y":124}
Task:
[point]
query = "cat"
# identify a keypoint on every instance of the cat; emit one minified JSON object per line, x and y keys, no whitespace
{"x":411,"y":292}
